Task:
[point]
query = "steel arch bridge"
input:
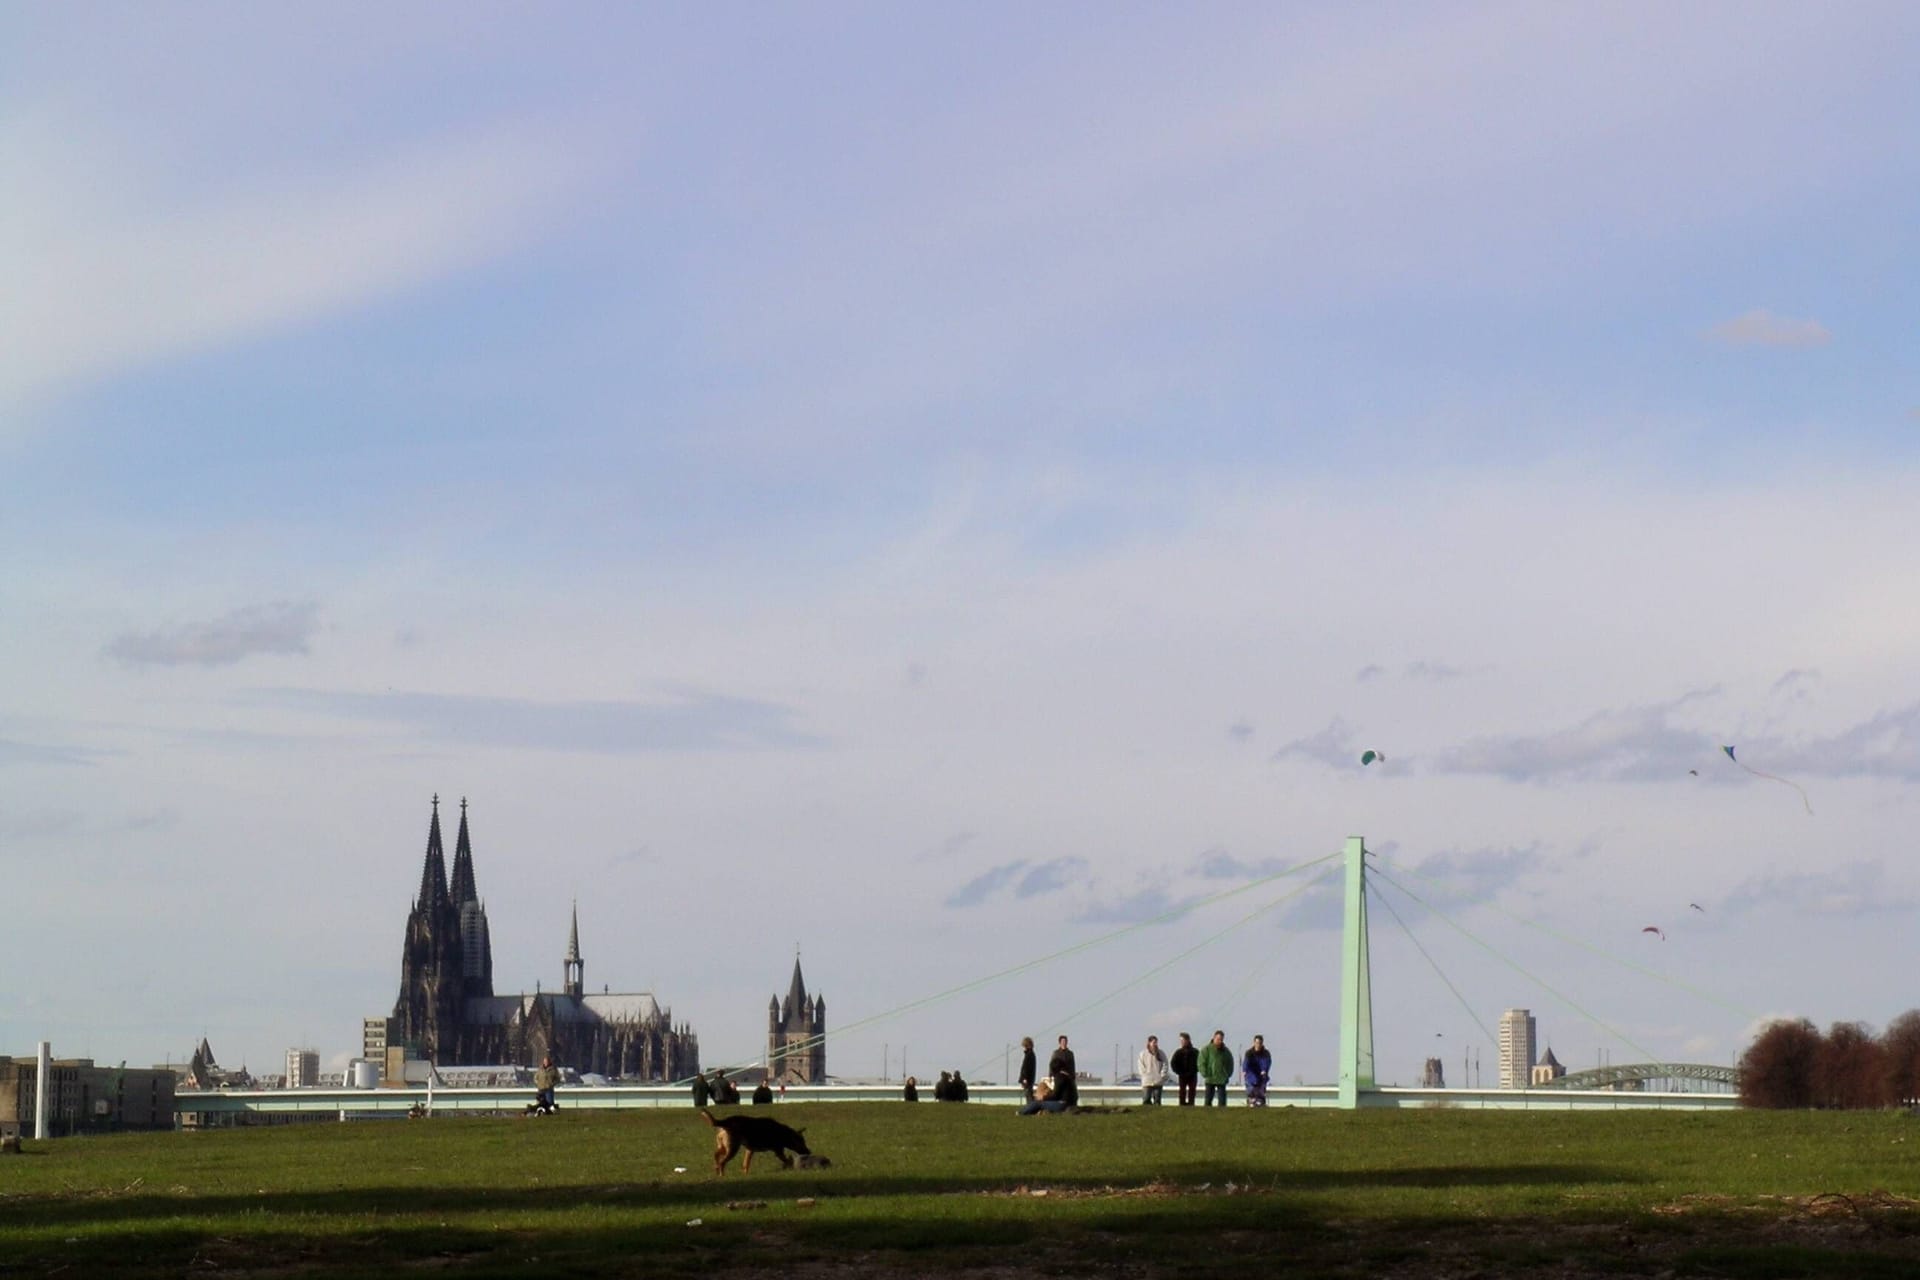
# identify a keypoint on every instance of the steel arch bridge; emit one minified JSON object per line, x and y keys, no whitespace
{"x":1636,"y":1075}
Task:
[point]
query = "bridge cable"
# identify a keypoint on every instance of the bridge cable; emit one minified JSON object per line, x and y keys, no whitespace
{"x":1538,"y":981}
{"x":1591,"y":949}
{"x":1164,"y":965}
{"x":1218,"y":1014}
{"x":1493,"y":1041}
{"x":1172,"y":913}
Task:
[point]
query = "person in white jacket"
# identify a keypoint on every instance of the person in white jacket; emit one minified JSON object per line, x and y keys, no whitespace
{"x":1152,"y":1066}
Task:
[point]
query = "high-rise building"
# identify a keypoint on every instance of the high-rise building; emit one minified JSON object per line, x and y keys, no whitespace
{"x":1433,"y":1075}
{"x":303,"y":1068}
{"x":1516,"y":1048}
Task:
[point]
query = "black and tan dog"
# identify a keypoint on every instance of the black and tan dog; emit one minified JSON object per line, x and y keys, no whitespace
{"x":735,"y":1134}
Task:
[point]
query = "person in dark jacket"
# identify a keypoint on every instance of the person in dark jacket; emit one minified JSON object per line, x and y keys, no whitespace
{"x":943,"y":1087}
{"x":1255,"y":1066}
{"x":957,"y":1090}
{"x":701,"y":1093}
{"x":1066,"y":1083}
{"x":1185,"y":1065}
{"x":762,"y":1095}
{"x":911,"y":1093}
{"x":1043,"y":1100}
{"x":1029,"y":1069}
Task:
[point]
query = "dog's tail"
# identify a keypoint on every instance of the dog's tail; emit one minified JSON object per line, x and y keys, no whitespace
{"x":708,"y":1117}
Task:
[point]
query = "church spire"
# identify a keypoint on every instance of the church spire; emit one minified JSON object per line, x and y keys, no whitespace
{"x":433,"y":874}
{"x":796,"y":992}
{"x":462,"y":889}
{"x":576,"y":968}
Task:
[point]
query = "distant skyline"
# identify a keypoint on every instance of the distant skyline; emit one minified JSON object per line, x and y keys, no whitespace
{"x":935,"y":487}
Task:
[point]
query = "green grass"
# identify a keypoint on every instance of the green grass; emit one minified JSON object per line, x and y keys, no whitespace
{"x":951,"y":1188}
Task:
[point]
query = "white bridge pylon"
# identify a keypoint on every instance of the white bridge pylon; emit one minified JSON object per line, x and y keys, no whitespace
{"x":1356,"y":984}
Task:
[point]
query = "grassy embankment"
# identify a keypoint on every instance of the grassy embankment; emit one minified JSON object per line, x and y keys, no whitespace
{"x":959,"y":1188}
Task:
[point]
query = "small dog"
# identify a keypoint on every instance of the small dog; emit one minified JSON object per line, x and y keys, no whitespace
{"x":735,"y":1134}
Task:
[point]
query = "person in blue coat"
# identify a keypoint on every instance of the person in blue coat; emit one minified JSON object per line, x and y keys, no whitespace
{"x":1255,"y":1066}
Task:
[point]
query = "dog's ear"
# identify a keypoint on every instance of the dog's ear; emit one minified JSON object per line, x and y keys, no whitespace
{"x":799,"y":1130}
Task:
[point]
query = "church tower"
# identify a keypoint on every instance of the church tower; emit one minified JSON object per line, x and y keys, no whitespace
{"x":797,"y":1035}
{"x":476,"y":944}
{"x":447,"y":956}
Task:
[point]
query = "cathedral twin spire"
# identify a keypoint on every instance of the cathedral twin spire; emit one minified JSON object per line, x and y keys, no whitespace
{"x":434,"y":886}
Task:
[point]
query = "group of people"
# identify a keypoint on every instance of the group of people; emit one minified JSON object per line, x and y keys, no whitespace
{"x":722,"y":1092}
{"x":1187,"y":1066}
{"x":1059,"y":1090}
{"x":951,"y":1087}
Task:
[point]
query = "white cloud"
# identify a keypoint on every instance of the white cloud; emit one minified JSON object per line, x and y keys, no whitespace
{"x":1762,"y":328}
{"x":106,"y":275}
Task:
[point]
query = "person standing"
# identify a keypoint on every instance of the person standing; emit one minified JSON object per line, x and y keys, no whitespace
{"x":1066,"y":1083}
{"x":1029,"y":1069}
{"x":701,"y":1093}
{"x":1185,"y":1065}
{"x":912,"y":1091}
{"x":1216,"y":1068}
{"x":1153,"y":1072}
{"x":1255,"y":1066}
{"x":544,"y":1081}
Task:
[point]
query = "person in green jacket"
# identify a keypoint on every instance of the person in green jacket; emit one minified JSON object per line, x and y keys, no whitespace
{"x":1216,"y":1067}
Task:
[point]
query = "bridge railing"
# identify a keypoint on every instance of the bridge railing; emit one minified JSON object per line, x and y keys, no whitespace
{"x":371,"y":1103}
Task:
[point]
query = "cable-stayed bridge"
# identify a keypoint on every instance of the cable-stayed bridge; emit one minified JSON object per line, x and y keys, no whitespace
{"x":1634,"y":1086}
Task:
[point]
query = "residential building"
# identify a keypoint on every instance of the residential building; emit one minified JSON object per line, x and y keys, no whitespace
{"x":1516,"y":1048}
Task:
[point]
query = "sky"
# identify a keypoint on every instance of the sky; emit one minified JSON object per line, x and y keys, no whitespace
{"x":953,"y":491}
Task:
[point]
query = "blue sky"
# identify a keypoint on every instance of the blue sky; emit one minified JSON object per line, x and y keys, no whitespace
{"x":932,"y":488}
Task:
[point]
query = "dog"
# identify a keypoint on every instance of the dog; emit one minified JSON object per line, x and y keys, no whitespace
{"x":735,"y":1134}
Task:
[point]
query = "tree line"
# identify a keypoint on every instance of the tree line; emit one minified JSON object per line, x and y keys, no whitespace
{"x":1791,"y":1064}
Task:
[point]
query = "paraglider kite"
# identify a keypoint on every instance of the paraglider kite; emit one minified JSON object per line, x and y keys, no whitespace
{"x":1770,"y":777}
{"x":1368,"y":757}
{"x":1656,"y":929}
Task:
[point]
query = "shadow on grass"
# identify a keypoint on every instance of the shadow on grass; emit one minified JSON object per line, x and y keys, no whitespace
{"x":694,"y":1192}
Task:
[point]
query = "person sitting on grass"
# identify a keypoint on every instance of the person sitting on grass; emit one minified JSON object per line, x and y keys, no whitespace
{"x":912,"y":1092}
{"x":1043,"y":1100}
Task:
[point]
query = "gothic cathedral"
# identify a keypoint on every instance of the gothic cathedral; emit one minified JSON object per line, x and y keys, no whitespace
{"x":448,"y":1013}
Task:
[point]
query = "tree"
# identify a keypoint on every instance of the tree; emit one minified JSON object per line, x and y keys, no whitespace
{"x":1900,"y":1046}
{"x":1850,"y":1071}
{"x":1777,"y":1070}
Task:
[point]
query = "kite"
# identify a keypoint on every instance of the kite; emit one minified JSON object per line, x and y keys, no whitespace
{"x":1656,"y":929}
{"x":1368,"y":757}
{"x":1697,"y":907}
{"x":1694,"y":772}
{"x":1770,"y":777}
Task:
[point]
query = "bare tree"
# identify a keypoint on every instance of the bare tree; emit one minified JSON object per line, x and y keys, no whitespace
{"x":1901,"y":1045}
{"x":1777,"y":1070}
{"x":1850,"y":1071}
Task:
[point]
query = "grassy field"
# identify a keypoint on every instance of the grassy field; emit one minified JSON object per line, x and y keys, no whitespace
{"x":975,"y":1190}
